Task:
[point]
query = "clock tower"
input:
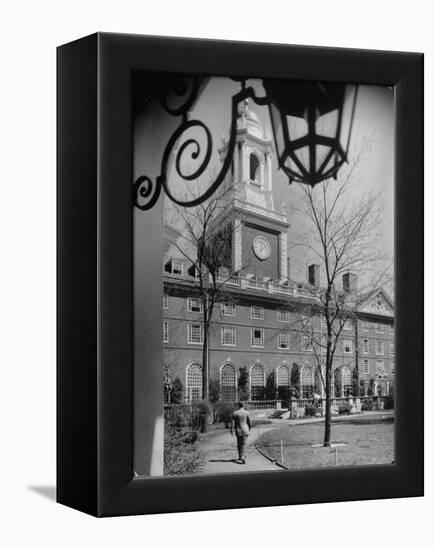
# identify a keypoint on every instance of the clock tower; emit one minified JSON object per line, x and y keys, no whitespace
{"x":260,"y":233}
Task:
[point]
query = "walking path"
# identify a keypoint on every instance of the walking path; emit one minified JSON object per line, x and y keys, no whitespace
{"x":221,"y":454}
{"x":221,"y":450}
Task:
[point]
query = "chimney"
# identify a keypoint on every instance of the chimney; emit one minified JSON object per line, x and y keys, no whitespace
{"x":349,"y":283}
{"x":314,"y":275}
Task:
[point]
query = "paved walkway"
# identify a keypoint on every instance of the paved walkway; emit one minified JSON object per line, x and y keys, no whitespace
{"x":221,"y":450}
{"x":221,"y":454}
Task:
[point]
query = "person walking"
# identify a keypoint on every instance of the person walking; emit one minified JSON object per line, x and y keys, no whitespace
{"x":241,"y":426}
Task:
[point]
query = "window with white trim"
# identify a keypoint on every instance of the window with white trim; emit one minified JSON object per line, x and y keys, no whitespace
{"x":283,"y":340}
{"x":165,"y":301}
{"x":365,"y":366}
{"x":379,"y":348}
{"x":365,"y":345}
{"x":195,"y":333}
{"x":257,"y":382}
{"x":195,"y":305}
{"x":283,"y":376}
{"x":379,"y":367}
{"x":229,"y":336}
{"x":177,"y":267}
{"x":306,"y":343}
{"x":366,"y":325}
{"x":256,"y":312}
{"x":228,"y":383}
{"x":365,"y":387}
{"x":392,"y":348}
{"x":307,"y":378}
{"x":165,"y":332}
{"x":283,"y":316}
{"x":379,"y":327}
{"x":194,"y":382}
{"x":347,"y":381}
{"x":257,"y":338}
{"x":228,"y":309}
{"x":348,"y":346}
{"x":392,"y":367}
{"x":392,"y":329}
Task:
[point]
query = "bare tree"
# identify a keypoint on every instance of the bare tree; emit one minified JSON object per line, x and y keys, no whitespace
{"x":206,"y":243}
{"x":341,"y":235}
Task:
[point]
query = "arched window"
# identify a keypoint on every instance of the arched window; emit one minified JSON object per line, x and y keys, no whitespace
{"x":283,"y":381}
{"x":254,"y":168}
{"x":228,"y":383}
{"x":347,"y":382}
{"x":194,"y":382}
{"x":257,"y":382}
{"x":307,"y":382}
{"x":336,"y":383}
{"x":283,"y":376}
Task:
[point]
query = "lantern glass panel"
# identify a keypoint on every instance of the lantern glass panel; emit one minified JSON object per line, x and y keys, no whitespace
{"x":303,"y":155}
{"x":330,"y":164}
{"x":279,"y":132}
{"x":297,"y":127}
{"x":347,"y":116}
{"x":327,"y":124}
{"x":321,"y":152}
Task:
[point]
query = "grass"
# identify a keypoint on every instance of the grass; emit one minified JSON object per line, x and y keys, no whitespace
{"x":367,"y":441}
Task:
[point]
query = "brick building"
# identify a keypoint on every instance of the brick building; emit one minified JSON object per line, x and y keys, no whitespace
{"x":263,"y":320}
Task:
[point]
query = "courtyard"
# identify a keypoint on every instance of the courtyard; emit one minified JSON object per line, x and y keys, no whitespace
{"x":365,"y":439}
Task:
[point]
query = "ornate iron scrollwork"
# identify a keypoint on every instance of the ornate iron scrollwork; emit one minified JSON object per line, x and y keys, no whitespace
{"x":186,"y":90}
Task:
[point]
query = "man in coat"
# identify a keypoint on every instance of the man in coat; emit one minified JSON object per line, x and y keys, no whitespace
{"x":241,"y":425}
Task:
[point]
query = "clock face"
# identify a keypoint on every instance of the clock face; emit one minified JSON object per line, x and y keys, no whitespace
{"x":261,"y":248}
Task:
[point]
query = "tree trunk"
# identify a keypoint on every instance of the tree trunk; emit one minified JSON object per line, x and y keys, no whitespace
{"x":205,"y":382}
{"x":328,"y":408}
{"x":328,"y":375}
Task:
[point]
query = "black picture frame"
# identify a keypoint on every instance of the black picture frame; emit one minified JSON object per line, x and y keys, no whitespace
{"x":95,"y":382}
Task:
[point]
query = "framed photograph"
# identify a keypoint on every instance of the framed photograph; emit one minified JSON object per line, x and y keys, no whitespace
{"x":240,"y":274}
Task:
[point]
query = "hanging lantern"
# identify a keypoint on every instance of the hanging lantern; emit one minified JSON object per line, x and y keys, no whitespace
{"x":312,"y":124}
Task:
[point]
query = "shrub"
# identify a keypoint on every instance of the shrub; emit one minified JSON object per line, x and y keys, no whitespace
{"x":177,"y":390}
{"x":243,"y":384}
{"x":200,"y":413}
{"x":178,"y":416}
{"x":295,"y":381}
{"x":355,"y":381}
{"x":270,"y":387}
{"x":310,"y":409}
{"x":284,"y":394}
{"x":367,"y":404}
{"x":389,"y":402}
{"x":222,"y":412}
{"x":214,"y":390}
{"x":181,"y":454}
{"x":371,"y":387}
{"x":345,"y":408}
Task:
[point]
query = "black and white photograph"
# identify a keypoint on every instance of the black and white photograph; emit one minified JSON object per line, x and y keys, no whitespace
{"x":215,"y":285}
{"x":276,"y":202}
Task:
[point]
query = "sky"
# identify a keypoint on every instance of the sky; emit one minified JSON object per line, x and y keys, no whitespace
{"x":373,"y":131}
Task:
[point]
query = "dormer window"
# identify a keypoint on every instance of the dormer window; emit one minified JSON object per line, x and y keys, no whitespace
{"x":193,"y":271}
{"x":173,"y":266}
{"x":254,"y":169}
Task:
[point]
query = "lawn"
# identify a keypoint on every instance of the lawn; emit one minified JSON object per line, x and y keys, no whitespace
{"x":367,"y":441}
